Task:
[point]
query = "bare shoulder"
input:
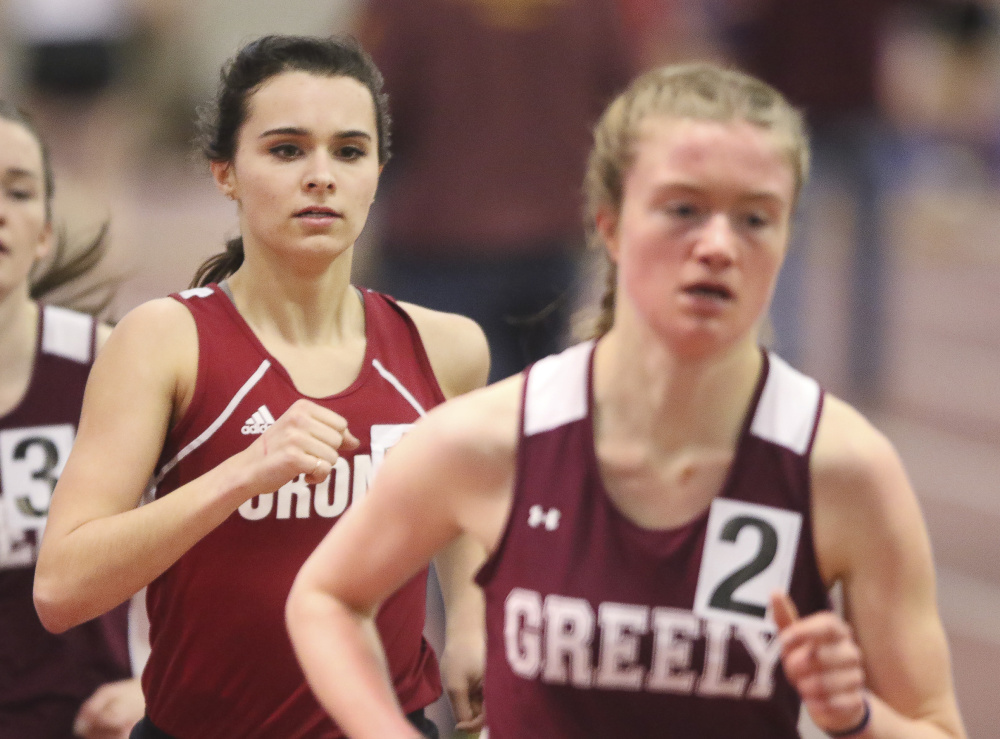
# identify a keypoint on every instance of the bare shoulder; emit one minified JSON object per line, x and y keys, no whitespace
{"x":162,"y":326}
{"x":848,"y":444}
{"x":480,"y":425}
{"x":456,"y":347}
{"x":156,"y":344}
{"x":861,"y":494}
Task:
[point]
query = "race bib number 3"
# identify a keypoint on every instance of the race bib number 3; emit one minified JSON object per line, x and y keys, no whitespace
{"x":31,"y":460}
{"x":749,"y":553}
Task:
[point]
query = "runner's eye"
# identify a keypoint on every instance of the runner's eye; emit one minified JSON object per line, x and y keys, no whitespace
{"x":285,"y":151}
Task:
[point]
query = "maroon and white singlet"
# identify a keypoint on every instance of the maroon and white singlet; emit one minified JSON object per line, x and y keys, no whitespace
{"x":222,"y":664}
{"x":44,"y":678}
{"x":600,"y":628}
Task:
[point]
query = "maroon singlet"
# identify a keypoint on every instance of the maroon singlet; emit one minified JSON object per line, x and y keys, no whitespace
{"x":221,"y":663}
{"x":600,"y":628}
{"x":45,"y":677}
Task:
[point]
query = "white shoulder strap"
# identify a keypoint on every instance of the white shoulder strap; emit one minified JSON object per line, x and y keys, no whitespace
{"x":788,"y":406}
{"x":557,"y":389}
{"x":67,"y":334}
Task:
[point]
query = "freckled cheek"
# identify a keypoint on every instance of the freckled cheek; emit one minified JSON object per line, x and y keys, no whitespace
{"x":648,"y":282}
{"x":651,"y":261}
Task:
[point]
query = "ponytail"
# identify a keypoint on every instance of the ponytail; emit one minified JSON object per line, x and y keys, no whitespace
{"x":66,"y":266}
{"x":606,"y":317}
{"x":220,"y":266}
{"x":594,"y":321}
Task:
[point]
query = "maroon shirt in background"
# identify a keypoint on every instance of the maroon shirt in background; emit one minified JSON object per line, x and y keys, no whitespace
{"x":492,"y":119}
{"x":821,"y":54}
{"x":44,"y":678}
{"x":222,"y":664}
{"x":567,"y":552}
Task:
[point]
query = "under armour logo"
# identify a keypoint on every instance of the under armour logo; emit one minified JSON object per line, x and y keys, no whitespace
{"x":538,"y":515}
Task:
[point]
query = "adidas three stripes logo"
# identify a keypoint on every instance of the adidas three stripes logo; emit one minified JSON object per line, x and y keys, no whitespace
{"x":259,"y":422}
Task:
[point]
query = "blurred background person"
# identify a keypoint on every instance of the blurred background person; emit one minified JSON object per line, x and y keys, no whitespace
{"x":667,"y":31}
{"x":76,"y":683}
{"x":493,"y":101}
{"x":100,"y":79}
{"x":73,"y":64}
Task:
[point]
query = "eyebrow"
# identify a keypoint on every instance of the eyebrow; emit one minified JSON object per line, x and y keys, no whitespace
{"x":668,"y":187}
{"x":294,"y":131}
{"x":15,"y":172}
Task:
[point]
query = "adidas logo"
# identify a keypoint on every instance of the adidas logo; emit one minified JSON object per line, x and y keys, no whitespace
{"x":259,"y":422}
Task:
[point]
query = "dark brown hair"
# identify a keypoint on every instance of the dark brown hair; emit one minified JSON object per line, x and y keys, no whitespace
{"x":257,"y":62}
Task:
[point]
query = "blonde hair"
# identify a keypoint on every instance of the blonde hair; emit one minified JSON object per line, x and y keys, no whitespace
{"x":699,"y":91}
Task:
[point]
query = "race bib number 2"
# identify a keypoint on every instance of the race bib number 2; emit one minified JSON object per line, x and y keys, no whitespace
{"x":31,"y":460}
{"x":749,"y":553}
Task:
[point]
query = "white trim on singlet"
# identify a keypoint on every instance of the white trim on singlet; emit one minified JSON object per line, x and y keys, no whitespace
{"x":199,"y":292}
{"x":67,"y":334}
{"x":214,"y":426}
{"x":138,"y":632}
{"x":400,"y":388}
{"x":557,"y":390}
{"x":786,"y":411}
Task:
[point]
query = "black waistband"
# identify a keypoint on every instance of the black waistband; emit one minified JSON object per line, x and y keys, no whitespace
{"x":145,"y":729}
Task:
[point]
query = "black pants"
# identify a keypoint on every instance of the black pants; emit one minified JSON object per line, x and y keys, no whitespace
{"x":146,"y":730}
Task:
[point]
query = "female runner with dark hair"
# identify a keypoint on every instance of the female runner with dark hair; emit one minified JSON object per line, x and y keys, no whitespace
{"x":257,"y":405}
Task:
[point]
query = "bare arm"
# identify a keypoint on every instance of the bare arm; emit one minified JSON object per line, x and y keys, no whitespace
{"x":450,"y":474}
{"x":459,"y":356}
{"x":456,"y":347}
{"x":464,"y":657}
{"x":99,"y":548}
{"x":870,"y":535}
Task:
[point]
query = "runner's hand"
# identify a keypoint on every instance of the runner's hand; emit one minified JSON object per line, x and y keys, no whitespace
{"x":823,"y":663}
{"x":462,"y":667}
{"x":111,"y":712}
{"x":305,"y":440}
